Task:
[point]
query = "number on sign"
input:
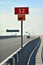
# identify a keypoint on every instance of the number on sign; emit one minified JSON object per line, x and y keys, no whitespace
{"x":23,"y":10}
{"x":19,"y":11}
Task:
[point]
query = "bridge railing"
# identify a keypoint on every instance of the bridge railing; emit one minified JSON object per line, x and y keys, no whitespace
{"x":15,"y":58}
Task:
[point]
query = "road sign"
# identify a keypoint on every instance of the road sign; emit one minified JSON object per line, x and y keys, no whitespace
{"x":21,"y":17}
{"x":21,"y":10}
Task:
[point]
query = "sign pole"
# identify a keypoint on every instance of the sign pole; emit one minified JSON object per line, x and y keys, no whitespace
{"x":21,"y":42}
{"x":21,"y":34}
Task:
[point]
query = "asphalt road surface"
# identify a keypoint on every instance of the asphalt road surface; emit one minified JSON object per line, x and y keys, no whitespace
{"x":9,"y":46}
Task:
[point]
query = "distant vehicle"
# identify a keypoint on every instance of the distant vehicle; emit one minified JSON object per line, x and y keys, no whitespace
{"x":28,"y":36}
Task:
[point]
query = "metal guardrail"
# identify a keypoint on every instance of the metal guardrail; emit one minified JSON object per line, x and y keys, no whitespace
{"x":32,"y":58}
{"x":15,"y":58}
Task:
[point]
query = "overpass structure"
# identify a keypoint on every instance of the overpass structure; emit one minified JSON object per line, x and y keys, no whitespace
{"x":30,"y":46}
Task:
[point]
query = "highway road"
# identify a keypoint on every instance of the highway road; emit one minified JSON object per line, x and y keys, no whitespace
{"x":8,"y":46}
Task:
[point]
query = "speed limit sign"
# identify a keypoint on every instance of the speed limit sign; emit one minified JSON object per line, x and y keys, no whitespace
{"x":21,"y":10}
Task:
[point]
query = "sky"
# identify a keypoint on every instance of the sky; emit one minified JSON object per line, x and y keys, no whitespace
{"x":34,"y":20}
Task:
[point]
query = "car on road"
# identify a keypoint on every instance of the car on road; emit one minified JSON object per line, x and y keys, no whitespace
{"x":28,"y":36}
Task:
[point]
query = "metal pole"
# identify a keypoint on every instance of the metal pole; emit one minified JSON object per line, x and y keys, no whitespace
{"x":21,"y":43}
{"x":21,"y":34}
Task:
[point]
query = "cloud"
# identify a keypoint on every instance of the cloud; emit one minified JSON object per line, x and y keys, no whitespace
{"x":9,"y":21}
{"x":36,"y":9}
{"x":34,"y":21}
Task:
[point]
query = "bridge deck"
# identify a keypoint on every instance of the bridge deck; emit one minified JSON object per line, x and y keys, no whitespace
{"x":8,"y":46}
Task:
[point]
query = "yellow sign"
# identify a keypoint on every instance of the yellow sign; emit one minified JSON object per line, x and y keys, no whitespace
{"x":21,"y":17}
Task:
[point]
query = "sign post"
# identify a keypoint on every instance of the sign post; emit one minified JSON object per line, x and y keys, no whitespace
{"x":21,"y":11}
{"x":21,"y":34}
